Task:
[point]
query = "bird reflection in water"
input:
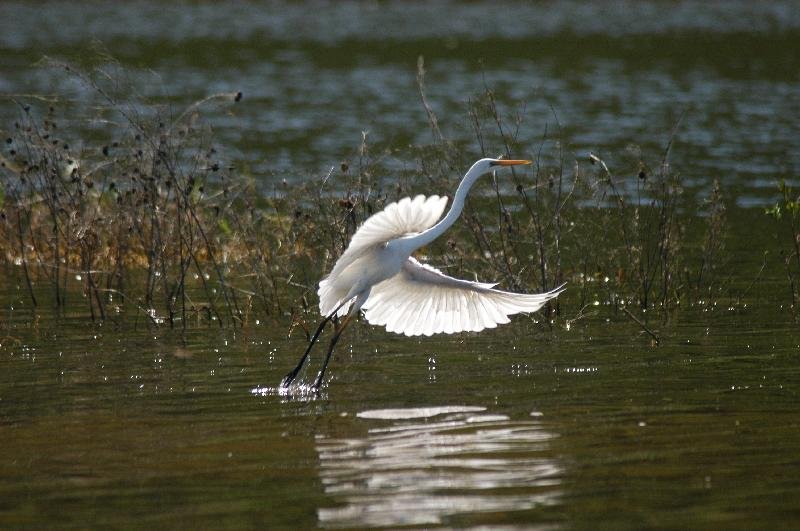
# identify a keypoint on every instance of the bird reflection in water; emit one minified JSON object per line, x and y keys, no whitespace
{"x":421,"y":466}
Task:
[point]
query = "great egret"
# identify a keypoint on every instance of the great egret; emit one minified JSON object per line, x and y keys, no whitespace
{"x":378,"y":274}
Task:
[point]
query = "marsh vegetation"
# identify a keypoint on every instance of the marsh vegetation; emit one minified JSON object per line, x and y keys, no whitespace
{"x":149,"y":219}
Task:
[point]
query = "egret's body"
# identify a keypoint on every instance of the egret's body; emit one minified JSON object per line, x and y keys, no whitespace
{"x":377,"y":273}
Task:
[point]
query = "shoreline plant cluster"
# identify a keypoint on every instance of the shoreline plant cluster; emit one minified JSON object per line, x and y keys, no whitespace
{"x":147,"y":220}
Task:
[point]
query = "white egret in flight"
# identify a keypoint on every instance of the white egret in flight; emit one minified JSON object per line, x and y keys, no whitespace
{"x":377,"y":273}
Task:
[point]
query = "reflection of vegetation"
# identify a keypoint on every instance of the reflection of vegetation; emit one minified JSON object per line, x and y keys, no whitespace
{"x":148,"y":216}
{"x":787,"y":213}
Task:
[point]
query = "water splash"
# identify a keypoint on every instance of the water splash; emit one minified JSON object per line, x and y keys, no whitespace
{"x":303,"y":391}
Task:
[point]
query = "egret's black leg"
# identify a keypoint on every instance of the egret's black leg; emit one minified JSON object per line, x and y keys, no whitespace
{"x":334,"y":339}
{"x":289,"y":378}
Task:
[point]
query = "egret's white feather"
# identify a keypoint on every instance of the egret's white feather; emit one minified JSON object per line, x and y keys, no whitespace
{"x":421,"y":300}
{"x":405,"y":217}
{"x":402,"y":218}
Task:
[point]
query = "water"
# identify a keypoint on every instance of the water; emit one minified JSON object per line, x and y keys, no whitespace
{"x":523,"y":426}
{"x":511,"y":428}
{"x":606,"y":75}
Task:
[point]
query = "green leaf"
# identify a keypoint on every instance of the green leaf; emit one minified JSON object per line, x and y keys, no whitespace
{"x":224,"y":227}
{"x":774,"y":211}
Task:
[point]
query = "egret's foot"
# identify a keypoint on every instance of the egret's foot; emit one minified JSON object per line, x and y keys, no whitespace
{"x":292,"y":375}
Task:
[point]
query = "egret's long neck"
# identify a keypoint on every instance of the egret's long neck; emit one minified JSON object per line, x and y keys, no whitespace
{"x":426,"y":237}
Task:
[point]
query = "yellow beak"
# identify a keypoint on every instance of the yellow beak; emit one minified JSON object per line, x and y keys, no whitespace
{"x":510,"y":162}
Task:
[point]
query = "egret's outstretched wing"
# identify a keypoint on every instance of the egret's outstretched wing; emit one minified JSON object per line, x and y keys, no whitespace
{"x":421,"y":300}
{"x":404,"y":217}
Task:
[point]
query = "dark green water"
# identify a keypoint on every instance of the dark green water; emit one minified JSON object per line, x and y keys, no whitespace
{"x":523,"y":426}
